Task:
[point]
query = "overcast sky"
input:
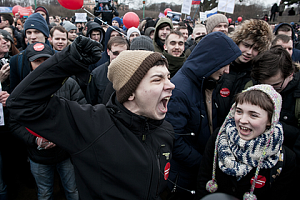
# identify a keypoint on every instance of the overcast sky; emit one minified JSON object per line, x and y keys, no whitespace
{"x":266,"y":2}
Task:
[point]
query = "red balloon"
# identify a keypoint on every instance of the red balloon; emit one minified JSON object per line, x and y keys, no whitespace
{"x":229,"y":20}
{"x":71,"y":4}
{"x":166,"y":11}
{"x":240,"y":19}
{"x":131,"y":19}
{"x":15,"y":9}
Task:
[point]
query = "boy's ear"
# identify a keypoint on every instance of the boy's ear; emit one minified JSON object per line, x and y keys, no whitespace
{"x":131,"y":97}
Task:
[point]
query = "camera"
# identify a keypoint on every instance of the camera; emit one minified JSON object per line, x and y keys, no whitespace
{"x":3,"y":61}
{"x":103,"y":6}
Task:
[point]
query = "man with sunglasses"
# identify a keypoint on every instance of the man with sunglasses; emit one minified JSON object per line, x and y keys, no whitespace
{"x":99,"y":81}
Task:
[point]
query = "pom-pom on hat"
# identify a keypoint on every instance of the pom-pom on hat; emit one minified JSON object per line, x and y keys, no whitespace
{"x":129,"y":68}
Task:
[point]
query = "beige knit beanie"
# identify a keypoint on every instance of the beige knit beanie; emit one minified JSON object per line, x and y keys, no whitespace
{"x":214,"y":20}
{"x":129,"y":68}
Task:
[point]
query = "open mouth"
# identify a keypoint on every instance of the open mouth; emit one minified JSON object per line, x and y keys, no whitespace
{"x":244,"y":130}
{"x":163,"y":105}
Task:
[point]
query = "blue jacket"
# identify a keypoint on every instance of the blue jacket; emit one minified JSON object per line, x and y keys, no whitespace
{"x":187,"y":108}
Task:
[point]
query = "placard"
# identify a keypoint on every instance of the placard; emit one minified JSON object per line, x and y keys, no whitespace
{"x":80,"y":17}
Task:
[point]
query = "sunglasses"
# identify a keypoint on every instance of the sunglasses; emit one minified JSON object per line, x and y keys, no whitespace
{"x":115,"y":53}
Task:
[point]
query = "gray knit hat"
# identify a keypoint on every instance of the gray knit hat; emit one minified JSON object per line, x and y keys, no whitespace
{"x":214,"y":20}
{"x":132,"y":30}
{"x":69,"y":26}
{"x":142,"y":43}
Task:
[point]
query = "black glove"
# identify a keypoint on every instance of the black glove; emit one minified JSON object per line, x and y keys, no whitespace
{"x":86,"y":50}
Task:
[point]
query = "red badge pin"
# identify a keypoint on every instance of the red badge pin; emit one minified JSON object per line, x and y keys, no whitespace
{"x":167,"y":171}
{"x":38,"y":47}
{"x":224,"y":92}
{"x":261,"y":181}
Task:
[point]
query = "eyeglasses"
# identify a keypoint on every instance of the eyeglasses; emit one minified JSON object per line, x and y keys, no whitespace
{"x":279,"y":88}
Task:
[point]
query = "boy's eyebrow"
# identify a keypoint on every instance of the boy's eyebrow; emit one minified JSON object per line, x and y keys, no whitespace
{"x":160,"y":75}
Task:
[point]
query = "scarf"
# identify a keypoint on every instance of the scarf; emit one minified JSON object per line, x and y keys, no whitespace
{"x":237,"y":157}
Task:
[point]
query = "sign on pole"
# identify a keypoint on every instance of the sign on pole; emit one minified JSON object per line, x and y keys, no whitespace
{"x":226,"y":6}
{"x":80,"y":17}
{"x":186,"y":7}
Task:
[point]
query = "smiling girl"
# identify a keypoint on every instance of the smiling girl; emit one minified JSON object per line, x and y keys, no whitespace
{"x":246,"y":156}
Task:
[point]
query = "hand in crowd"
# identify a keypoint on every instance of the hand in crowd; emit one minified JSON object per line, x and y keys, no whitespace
{"x":3,"y":97}
{"x":4,"y":72}
{"x":88,"y":51}
{"x":44,"y":143}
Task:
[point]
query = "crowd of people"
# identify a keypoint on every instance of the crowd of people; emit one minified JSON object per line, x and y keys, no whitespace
{"x":172,"y":110}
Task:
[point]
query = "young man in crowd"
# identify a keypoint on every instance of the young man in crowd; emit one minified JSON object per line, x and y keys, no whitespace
{"x":99,"y":80}
{"x":184,"y":31}
{"x":6,"y":20}
{"x":252,"y":37}
{"x":95,"y":32}
{"x":36,"y":30}
{"x":275,"y":67}
{"x":174,"y":51}
{"x":132,"y":33}
{"x":72,"y":30}
{"x":285,"y":41}
{"x":198,"y":33}
{"x":45,"y":156}
{"x":162,"y":29}
{"x":121,"y":150}
{"x":58,"y":38}
{"x":217,"y":22}
{"x":110,"y":33}
{"x":287,"y":29}
{"x":192,"y":109}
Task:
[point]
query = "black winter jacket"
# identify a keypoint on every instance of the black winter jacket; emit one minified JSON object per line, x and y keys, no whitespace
{"x":229,"y":85}
{"x":97,"y":85}
{"x":116,"y":154}
{"x":70,"y":91}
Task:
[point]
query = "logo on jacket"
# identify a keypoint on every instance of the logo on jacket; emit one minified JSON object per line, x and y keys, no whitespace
{"x":167,"y":155}
{"x":224,"y":92}
{"x":167,"y":171}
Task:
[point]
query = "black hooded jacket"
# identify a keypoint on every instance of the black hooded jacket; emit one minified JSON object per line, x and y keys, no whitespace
{"x":116,"y":153}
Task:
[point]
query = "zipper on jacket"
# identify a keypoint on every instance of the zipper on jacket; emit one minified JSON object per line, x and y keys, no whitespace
{"x":147,"y":130}
{"x":158,"y":164}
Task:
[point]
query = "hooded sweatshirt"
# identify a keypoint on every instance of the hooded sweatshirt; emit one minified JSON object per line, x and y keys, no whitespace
{"x":94,"y":26}
{"x":187,"y":110}
{"x":296,"y":51}
{"x":158,"y":45}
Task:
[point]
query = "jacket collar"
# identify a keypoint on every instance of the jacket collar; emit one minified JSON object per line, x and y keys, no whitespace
{"x":136,"y":123}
